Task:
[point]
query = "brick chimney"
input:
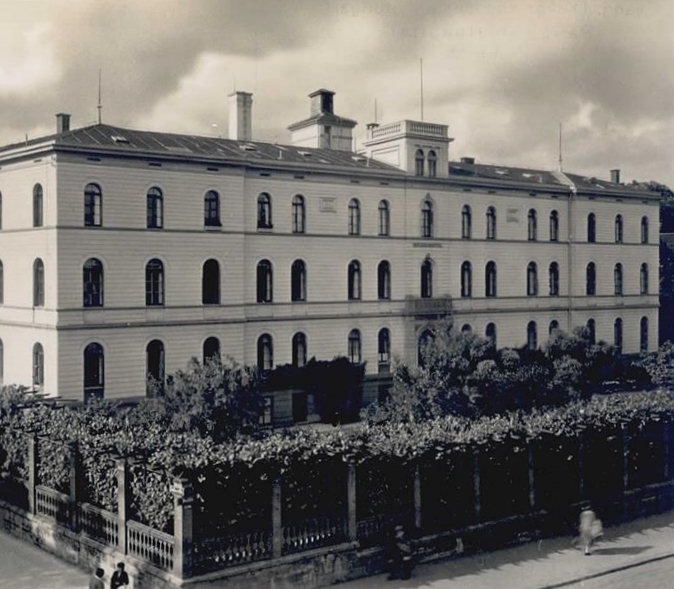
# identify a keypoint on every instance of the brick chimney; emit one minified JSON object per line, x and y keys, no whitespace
{"x":240,"y":116}
{"x":62,"y":123}
{"x":615,"y":176}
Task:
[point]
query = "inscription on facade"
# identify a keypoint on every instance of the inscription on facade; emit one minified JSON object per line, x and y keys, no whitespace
{"x":512,"y":215}
{"x":328,"y":204}
{"x":426,"y":244}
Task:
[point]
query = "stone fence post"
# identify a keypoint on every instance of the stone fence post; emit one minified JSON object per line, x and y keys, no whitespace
{"x":32,"y":472}
{"x":532,"y":476}
{"x":352,"y":524}
{"x":417,"y":496}
{"x":122,"y":471}
{"x":183,"y":523}
{"x":667,"y":450}
{"x":477,"y":503}
{"x":73,"y":482}
{"x":276,"y":517}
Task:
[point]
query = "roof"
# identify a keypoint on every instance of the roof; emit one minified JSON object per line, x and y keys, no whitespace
{"x":538,"y":177}
{"x":324,"y":118}
{"x":128,"y":141}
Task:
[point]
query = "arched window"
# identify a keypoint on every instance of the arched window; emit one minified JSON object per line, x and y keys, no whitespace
{"x":427,"y":219}
{"x":419,"y":163}
{"x":211,"y":349}
{"x":155,"y":208}
{"x":299,"y":345}
{"x":354,"y":281}
{"x":38,"y":366}
{"x":425,"y":338}
{"x":354,"y":217}
{"x":490,"y":279}
{"x":491,"y":223}
{"x":432,"y":164}
{"x":384,"y":349}
{"x":466,"y":222}
{"x":618,"y":280}
{"x":154,"y":283}
{"x":210,"y":282}
{"x":643,"y":335}
{"x":591,"y":280}
{"x":264,"y":282}
{"x":265,"y":352}
{"x":92,"y":283}
{"x":355,"y":352}
{"x":644,"y":229}
{"x":299,"y":214}
{"x":212,"y":209}
{"x":618,"y":335}
{"x":554,"y":226}
{"x":384,"y":280}
{"x":38,"y":206}
{"x":592,"y":330}
{"x":384,"y":218}
{"x":93,"y":205}
{"x":94,"y":372}
{"x":619,"y":229}
{"x":532,"y":225}
{"x":298,"y":281}
{"x":427,"y":279}
{"x":38,"y":283}
{"x":466,"y":280}
{"x":532,"y":335}
{"x":490,"y":332}
{"x":553,"y":275}
{"x":591,"y":228}
{"x":554,"y":326}
{"x":643,"y":279}
{"x":155,"y":371}
{"x":2,"y":283}
{"x":532,"y":279}
{"x":466,"y":328}
{"x":264,"y":211}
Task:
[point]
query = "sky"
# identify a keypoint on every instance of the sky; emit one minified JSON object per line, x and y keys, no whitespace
{"x":502,"y":74}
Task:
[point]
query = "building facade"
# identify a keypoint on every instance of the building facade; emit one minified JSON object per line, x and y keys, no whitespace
{"x":124,"y":253}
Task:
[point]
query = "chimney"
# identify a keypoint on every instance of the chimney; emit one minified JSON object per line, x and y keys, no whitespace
{"x":467,"y":160}
{"x":321,"y":102}
{"x":240,"y":116}
{"x":62,"y":123}
{"x":615,"y":176}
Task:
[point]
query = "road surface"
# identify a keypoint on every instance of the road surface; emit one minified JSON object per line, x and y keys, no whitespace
{"x":656,"y":575}
{"x":24,"y":566}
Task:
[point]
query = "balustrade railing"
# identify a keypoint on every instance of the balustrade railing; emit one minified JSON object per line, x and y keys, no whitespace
{"x":313,"y":533}
{"x":99,"y":524}
{"x":378,"y":529}
{"x":211,"y":554}
{"x":52,"y":504}
{"x":150,"y":545}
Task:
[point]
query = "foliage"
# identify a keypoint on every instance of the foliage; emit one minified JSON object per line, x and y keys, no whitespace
{"x":660,"y":366}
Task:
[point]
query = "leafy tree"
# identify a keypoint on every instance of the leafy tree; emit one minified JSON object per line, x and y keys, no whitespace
{"x":660,"y":366}
{"x":219,"y":399}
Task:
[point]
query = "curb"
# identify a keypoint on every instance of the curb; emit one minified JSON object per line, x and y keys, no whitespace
{"x":610,"y":571}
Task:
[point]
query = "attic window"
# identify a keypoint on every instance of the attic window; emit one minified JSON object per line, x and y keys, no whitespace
{"x":305,"y":153}
{"x":357,"y":158}
{"x":248,"y":147}
{"x":119,"y":139}
{"x":502,"y":172}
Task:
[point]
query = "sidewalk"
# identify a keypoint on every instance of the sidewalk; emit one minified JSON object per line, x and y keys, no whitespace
{"x":547,"y":564}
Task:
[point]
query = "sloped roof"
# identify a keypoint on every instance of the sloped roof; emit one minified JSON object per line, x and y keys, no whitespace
{"x":108,"y":137}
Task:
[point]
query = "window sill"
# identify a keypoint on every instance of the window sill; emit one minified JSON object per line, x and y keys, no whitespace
{"x":217,"y":227}
{"x":265,"y":228}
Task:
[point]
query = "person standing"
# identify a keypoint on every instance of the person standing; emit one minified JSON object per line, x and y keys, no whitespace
{"x":96,"y":581}
{"x":120,"y":577}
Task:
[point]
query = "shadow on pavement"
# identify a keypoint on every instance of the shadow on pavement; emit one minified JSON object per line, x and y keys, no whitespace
{"x":625,"y":550}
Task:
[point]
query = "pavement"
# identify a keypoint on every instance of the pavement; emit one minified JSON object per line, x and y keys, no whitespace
{"x":546,"y":564}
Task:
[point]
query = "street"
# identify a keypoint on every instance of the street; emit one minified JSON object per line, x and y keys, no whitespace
{"x":24,"y":566}
{"x":656,"y":575}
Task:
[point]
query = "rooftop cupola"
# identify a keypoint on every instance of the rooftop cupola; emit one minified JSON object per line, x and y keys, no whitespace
{"x":323,"y":128}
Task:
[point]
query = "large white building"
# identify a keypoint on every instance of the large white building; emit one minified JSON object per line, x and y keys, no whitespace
{"x":124,"y":253}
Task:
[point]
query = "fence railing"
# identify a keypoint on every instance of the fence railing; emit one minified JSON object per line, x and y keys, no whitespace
{"x":376,"y":530}
{"x":210,"y":554}
{"x":150,"y":545}
{"x":52,"y":504}
{"x":313,"y":533}
{"x":99,"y":524}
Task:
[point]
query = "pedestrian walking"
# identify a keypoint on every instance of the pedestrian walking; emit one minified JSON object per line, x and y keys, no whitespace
{"x":401,"y":555}
{"x":120,"y":578}
{"x":96,"y":581}
{"x":590,"y":529}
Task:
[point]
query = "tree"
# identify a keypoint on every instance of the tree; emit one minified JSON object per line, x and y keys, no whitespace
{"x":660,"y":366}
{"x":219,"y":399}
